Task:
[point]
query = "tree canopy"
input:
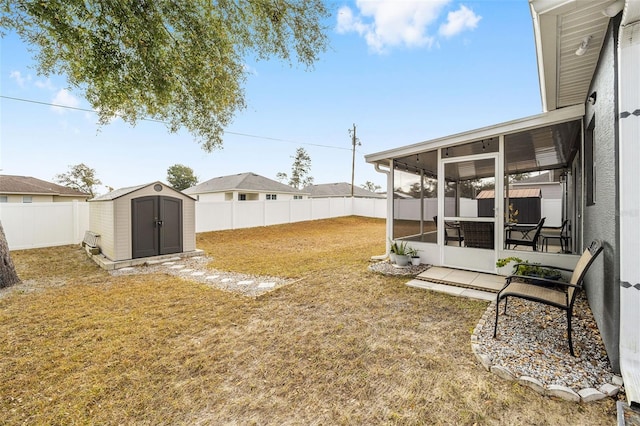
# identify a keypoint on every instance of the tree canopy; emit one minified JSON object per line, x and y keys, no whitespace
{"x":79,"y":177}
{"x":300,"y":170}
{"x":370,"y":186}
{"x":180,"y":62}
{"x":181,"y":177}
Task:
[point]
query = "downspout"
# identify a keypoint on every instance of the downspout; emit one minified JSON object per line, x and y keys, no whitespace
{"x":629,"y":158}
{"x":389,"y":223}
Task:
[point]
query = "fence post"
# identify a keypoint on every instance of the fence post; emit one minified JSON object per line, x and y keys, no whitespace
{"x":76,"y":221}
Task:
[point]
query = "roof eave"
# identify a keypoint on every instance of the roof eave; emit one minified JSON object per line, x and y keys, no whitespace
{"x":562,"y":115}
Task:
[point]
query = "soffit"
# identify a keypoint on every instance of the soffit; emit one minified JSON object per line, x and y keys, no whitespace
{"x":560,"y":26}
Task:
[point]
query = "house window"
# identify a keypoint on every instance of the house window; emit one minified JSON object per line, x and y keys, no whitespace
{"x":3,"y":199}
{"x":242,"y":197}
{"x":590,"y":163}
{"x":272,"y":196}
{"x":27,"y":199}
{"x":297,"y":197}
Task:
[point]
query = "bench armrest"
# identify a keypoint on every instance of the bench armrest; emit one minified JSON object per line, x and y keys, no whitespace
{"x":534,"y":280}
{"x":515,"y":265}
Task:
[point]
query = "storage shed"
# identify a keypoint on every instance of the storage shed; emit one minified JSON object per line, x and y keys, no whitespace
{"x":143,"y":221}
{"x":526,"y":201}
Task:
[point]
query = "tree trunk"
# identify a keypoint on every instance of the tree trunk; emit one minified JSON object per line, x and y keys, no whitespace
{"x":8,"y":274}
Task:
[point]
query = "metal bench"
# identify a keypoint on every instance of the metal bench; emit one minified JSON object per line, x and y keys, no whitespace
{"x":560,"y":294}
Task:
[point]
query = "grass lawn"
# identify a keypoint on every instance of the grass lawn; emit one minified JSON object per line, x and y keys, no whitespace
{"x":341,"y":345}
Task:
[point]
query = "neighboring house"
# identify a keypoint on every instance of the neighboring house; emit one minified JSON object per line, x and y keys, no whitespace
{"x":339,"y":189}
{"x":588,"y":56}
{"x":26,"y":189}
{"x":244,"y":187}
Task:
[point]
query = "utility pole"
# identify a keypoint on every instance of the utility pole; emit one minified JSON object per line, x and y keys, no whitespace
{"x":354,"y":141}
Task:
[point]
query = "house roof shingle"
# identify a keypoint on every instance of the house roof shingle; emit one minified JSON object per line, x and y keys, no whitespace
{"x":242,"y":182}
{"x":10,"y":184}
{"x":339,"y":189}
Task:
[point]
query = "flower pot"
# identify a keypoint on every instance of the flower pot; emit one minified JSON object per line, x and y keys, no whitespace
{"x":415,"y":260}
{"x":402,"y":260}
{"x":392,"y":257}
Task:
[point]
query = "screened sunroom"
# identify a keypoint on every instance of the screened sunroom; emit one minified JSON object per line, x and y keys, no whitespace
{"x":460,"y":199}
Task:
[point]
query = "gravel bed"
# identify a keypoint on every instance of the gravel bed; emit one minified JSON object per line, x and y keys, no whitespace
{"x":532,"y":341}
{"x":387,"y":268}
{"x":195,"y":269}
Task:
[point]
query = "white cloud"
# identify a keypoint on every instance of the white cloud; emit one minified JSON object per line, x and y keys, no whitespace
{"x":64,"y":98}
{"x":385,"y":24}
{"x":20,"y":80}
{"x":458,"y":21}
{"x":390,"y":23}
{"x":46,"y":84}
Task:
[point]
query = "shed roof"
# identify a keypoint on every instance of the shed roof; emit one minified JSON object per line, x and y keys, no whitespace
{"x":513,"y":193}
{"x":339,"y":189}
{"x":117,"y":193}
{"x":10,"y":184}
{"x":242,"y":182}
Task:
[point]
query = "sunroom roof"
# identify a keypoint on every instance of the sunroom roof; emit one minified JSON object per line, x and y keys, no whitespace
{"x":540,"y":142}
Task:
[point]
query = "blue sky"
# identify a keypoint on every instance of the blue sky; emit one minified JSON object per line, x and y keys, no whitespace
{"x":401,"y":71}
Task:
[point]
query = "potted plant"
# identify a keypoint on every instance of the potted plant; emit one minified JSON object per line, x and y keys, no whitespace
{"x":402,"y":253}
{"x":415,"y":257}
{"x":393,"y":251}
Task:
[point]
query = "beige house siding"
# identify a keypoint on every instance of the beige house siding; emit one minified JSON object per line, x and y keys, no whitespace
{"x":250,"y":196}
{"x":18,"y":198}
{"x":188,"y":225}
{"x":101,"y":222}
{"x":122,"y":225}
{"x":57,"y":199}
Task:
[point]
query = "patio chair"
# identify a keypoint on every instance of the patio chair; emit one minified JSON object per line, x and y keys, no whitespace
{"x":563,"y":236}
{"x":560,"y":294}
{"x":525,"y":240}
{"x":478,"y":234}
{"x":452,"y":232}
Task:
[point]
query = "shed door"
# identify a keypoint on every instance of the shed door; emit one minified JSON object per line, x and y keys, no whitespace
{"x":156,"y":226}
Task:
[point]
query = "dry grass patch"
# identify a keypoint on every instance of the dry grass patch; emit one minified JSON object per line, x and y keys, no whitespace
{"x":340,"y":346}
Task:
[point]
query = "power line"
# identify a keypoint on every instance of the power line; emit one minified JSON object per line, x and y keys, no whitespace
{"x":164,"y":122}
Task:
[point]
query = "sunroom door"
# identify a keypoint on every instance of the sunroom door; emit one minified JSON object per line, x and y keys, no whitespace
{"x":469,"y":212}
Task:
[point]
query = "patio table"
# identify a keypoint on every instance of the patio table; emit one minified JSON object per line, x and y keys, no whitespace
{"x":522,"y":228}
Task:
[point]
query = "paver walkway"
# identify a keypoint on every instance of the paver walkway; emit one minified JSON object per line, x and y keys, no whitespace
{"x":457,"y":282}
{"x":195,"y":268}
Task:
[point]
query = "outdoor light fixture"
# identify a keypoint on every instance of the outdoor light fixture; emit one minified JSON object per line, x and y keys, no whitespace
{"x":613,"y":9}
{"x":582,"y":49}
{"x":446,"y":152}
{"x":592,"y":98}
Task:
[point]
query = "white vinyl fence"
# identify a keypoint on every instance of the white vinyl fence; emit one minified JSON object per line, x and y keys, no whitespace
{"x":52,"y":224}
{"x":221,"y":215}
{"x":36,"y":225}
